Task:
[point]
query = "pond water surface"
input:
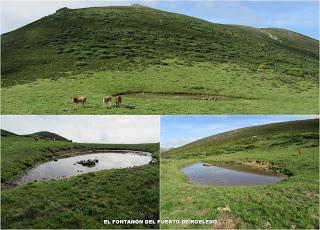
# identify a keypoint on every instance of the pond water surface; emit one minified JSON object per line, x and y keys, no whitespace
{"x":66,"y":167}
{"x":200,"y":173}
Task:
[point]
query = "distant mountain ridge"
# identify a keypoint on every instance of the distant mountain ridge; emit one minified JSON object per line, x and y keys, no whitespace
{"x":5,"y":133}
{"x":41,"y":135}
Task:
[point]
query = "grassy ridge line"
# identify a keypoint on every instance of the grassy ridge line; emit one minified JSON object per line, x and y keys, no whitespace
{"x":45,"y":134}
{"x":294,"y":39}
{"x":260,"y":131}
{"x":6,"y":133}
{"x":82,"y":201}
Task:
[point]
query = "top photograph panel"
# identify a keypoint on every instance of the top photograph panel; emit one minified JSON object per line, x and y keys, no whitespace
{"x":159,"y":57}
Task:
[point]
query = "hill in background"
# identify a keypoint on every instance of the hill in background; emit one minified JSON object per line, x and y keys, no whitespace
{"x":41,"y":135}
{"x":262,"y":136}
{"x":45,"y":134}
{"x":122,"y":38}
{"x":5,"y":133}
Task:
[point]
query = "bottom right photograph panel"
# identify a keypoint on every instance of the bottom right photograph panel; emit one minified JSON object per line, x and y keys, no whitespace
{"x":229,"y":172}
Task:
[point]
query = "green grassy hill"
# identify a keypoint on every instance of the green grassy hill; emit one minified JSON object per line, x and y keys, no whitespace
{"x":254,"y":134}
{"x":104,"y":48}
{"x":5,"y":133}
{"x":45,"y":134}
{"x":292,"y":203}
{"x":82,"y":201}
{"x":42,"y":134}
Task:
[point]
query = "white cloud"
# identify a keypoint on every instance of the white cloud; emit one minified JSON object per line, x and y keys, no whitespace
{"x":89,"y":129}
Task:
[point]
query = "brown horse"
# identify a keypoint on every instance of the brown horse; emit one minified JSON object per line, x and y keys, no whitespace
{"x":118,"y":100}
{"x":106,"y":101}
{"x":79,"y":99}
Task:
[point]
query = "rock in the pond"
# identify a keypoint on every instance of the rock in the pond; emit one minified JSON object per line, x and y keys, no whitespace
{"x":205,"y":164}
{"x":153,"y":162}
{"x":88,"y":163}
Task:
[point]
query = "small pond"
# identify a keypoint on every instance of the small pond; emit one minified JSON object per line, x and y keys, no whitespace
{"x":75,"y":165}
{"x":200,"y":173}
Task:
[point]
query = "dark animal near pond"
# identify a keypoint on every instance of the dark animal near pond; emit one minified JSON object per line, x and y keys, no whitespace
{"x":79,"y":99}
{"x":118,"y":100}
{"x":107,"y":100}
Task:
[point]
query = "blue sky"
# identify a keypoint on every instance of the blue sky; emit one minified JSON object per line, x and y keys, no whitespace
{"x":299,"y":16}
{"x":180,"y":130}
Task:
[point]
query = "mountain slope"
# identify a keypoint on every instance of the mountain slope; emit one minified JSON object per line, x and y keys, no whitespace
{"x":42,"y":134}
{"x":45,"y":134}
{"x":160,"y":62}
{"x":255,"y":136}
{"x":118,"y":38}
{"x":5,"y":133}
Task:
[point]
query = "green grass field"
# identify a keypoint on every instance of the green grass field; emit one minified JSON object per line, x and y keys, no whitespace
{"x":290,"y":204}
{"x":104,"y":51}
{"x":265,"y":93}
{"x":82,"y":201}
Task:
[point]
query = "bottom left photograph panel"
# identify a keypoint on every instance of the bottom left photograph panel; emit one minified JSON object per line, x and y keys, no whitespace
{"x":79,"y":171}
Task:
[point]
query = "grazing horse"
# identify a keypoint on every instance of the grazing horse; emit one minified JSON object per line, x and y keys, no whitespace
{"x":107,"y":100}
{"x":36,"y":138}
{"x":79,"y":99}
{"x":300,"y":151}
{"x":118,"y":100}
